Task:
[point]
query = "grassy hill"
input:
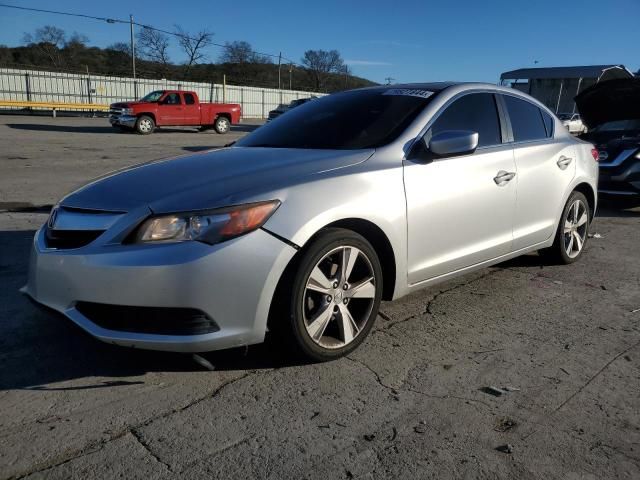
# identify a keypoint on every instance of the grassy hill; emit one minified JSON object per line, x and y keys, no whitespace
{"x":108,"y":61}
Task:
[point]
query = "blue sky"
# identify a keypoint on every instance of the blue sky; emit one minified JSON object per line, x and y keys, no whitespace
{"x":409,"y":41}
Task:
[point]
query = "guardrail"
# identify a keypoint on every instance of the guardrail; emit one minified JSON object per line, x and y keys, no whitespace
{"x":54,"y":106}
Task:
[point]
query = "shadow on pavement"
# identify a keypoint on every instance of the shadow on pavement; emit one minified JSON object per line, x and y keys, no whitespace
{"x":39,"y":347}
{"x":109,"y":129}
{"x":618,"y":207}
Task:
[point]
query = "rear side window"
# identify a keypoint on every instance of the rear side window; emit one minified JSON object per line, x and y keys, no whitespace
{"x":548,"y":123}
{"x":526,"y":120}
{"x":188,"y":99}
{"x":172,"y":99}
{"x":475,"y":112}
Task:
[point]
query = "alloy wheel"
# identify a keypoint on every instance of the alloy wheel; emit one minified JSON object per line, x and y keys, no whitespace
{"x":575,"y":228}
{"x":145,"y":125}
{"x":339,"y":297}
{"x":223,"y":125}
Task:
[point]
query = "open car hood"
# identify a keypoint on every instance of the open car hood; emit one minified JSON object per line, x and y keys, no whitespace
{"x":609,"y":101}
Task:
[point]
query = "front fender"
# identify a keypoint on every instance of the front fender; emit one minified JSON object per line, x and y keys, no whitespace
{"x":376,"y":196}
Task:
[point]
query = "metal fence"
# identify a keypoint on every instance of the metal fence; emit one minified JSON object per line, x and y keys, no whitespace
{"x":41,"y":86}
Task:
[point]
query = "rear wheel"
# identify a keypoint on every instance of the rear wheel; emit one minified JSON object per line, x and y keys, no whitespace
{"x":222,"y":125}
{"x":332,"y":301}
{"x":572,"y":232}
{"x":145,"y":125}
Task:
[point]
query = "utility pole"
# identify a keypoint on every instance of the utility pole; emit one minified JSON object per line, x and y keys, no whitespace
{"x":279,"y":65}
{"x":290,"y":76}
{"x":133,"y":47}
{"x":389,"y":80}
{"x":133,"y":58}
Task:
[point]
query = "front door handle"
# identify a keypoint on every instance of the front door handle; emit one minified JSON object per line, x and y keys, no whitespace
{"x":563,"y":162}
{"x":502,"y":177}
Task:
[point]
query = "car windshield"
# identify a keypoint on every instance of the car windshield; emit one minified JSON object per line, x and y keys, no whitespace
{"x":619,"y":125}
{"x":344,"y":121}
{"x":152,"y":97}
{"x":564,"y":116}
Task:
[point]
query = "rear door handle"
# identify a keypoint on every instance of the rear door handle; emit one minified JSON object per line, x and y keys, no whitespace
{"x":502,"y":177}
{"x":563,"y":162}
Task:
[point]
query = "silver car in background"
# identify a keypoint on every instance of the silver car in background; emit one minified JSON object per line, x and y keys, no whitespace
{"x":301,"y":228}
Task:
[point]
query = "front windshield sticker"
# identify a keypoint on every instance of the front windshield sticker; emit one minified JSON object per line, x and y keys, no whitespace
{"x":410,"y":92}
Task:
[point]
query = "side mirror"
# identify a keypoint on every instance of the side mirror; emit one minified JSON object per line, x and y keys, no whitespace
{"x":453,"y":142}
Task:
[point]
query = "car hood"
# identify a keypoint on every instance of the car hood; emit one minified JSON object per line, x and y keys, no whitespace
{"x":208,"y":179}
{"x":609,"y":101}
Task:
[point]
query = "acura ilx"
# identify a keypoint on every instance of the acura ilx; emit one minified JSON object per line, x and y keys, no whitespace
{"x":302,"y":227}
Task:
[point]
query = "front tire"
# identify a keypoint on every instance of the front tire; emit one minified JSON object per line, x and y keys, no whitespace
{"x":572,"y":232}
{"x":145,"y":125}
{"x":333,"y":297}
{"x":222,"y":125}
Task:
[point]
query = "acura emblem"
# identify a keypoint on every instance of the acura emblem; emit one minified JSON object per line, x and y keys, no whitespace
{"x":602,"y":155}
{"x":53,"y":217}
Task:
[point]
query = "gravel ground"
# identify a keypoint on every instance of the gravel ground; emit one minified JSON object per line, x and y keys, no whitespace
{"x":411,"y":402}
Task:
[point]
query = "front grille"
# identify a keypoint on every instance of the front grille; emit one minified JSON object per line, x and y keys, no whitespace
{"x":154,"y":320}
{"x":66,"y":239}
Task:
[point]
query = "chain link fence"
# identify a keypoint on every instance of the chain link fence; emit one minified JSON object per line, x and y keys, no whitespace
{"x":46,"y":86}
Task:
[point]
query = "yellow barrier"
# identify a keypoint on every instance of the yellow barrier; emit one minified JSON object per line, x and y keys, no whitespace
{"x":54,"y":105}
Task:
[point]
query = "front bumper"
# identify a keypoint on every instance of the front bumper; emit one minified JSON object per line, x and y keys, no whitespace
{"x":233,"y":283}
{"x":123,"y":120}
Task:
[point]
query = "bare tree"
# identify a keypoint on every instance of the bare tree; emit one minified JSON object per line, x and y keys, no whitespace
{"x":322,"y":62}
{"x":241,"y":52}
{"x":236,"y":52}
{"x":77,"y":40}
{"x":50,"y":40}
{"x":194,"y":44}
{"x":153,"y":45}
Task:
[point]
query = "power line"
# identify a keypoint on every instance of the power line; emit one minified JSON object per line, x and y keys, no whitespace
{"x":118,"y":20}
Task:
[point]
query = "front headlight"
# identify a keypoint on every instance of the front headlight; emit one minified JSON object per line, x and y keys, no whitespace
{"x":210,"y":227}
{"x":127,"y":111}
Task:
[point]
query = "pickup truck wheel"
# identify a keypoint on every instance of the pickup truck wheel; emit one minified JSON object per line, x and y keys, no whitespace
{"x":145,"y":125}
{"x":222,"y":125}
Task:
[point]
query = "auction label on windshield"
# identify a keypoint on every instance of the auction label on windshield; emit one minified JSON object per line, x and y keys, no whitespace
{"x":409,"y":92}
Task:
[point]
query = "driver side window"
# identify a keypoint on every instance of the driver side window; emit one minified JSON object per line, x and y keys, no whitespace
{"x":476,"y":112}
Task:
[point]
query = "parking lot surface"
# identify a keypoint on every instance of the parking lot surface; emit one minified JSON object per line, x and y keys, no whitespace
{"x":560,"y":343}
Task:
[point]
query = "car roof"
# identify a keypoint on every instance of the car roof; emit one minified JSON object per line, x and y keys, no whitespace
{"x":437,"y":86}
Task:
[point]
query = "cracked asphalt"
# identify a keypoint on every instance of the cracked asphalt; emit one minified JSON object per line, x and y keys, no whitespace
{"x":562,"y":345}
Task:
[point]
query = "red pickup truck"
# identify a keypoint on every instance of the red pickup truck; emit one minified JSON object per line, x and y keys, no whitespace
{"x":173,"y":108}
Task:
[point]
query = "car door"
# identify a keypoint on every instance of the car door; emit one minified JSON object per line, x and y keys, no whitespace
{"x":546,"y":167}
{"x":460,"y":209}
{"x":191,"y":110}
{"x":171,"y":110}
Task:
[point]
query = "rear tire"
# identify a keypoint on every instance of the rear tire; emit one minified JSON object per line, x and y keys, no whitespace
{"x":222,"y":125}
{"x":145,"y":125}
{"x":327,"y":304}
{"x":572,"y":232}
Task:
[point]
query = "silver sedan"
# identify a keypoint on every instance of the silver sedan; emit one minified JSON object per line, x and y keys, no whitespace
{"x":301,"y":228}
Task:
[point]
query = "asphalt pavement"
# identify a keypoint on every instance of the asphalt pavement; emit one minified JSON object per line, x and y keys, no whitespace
{"x":523,"y":370}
